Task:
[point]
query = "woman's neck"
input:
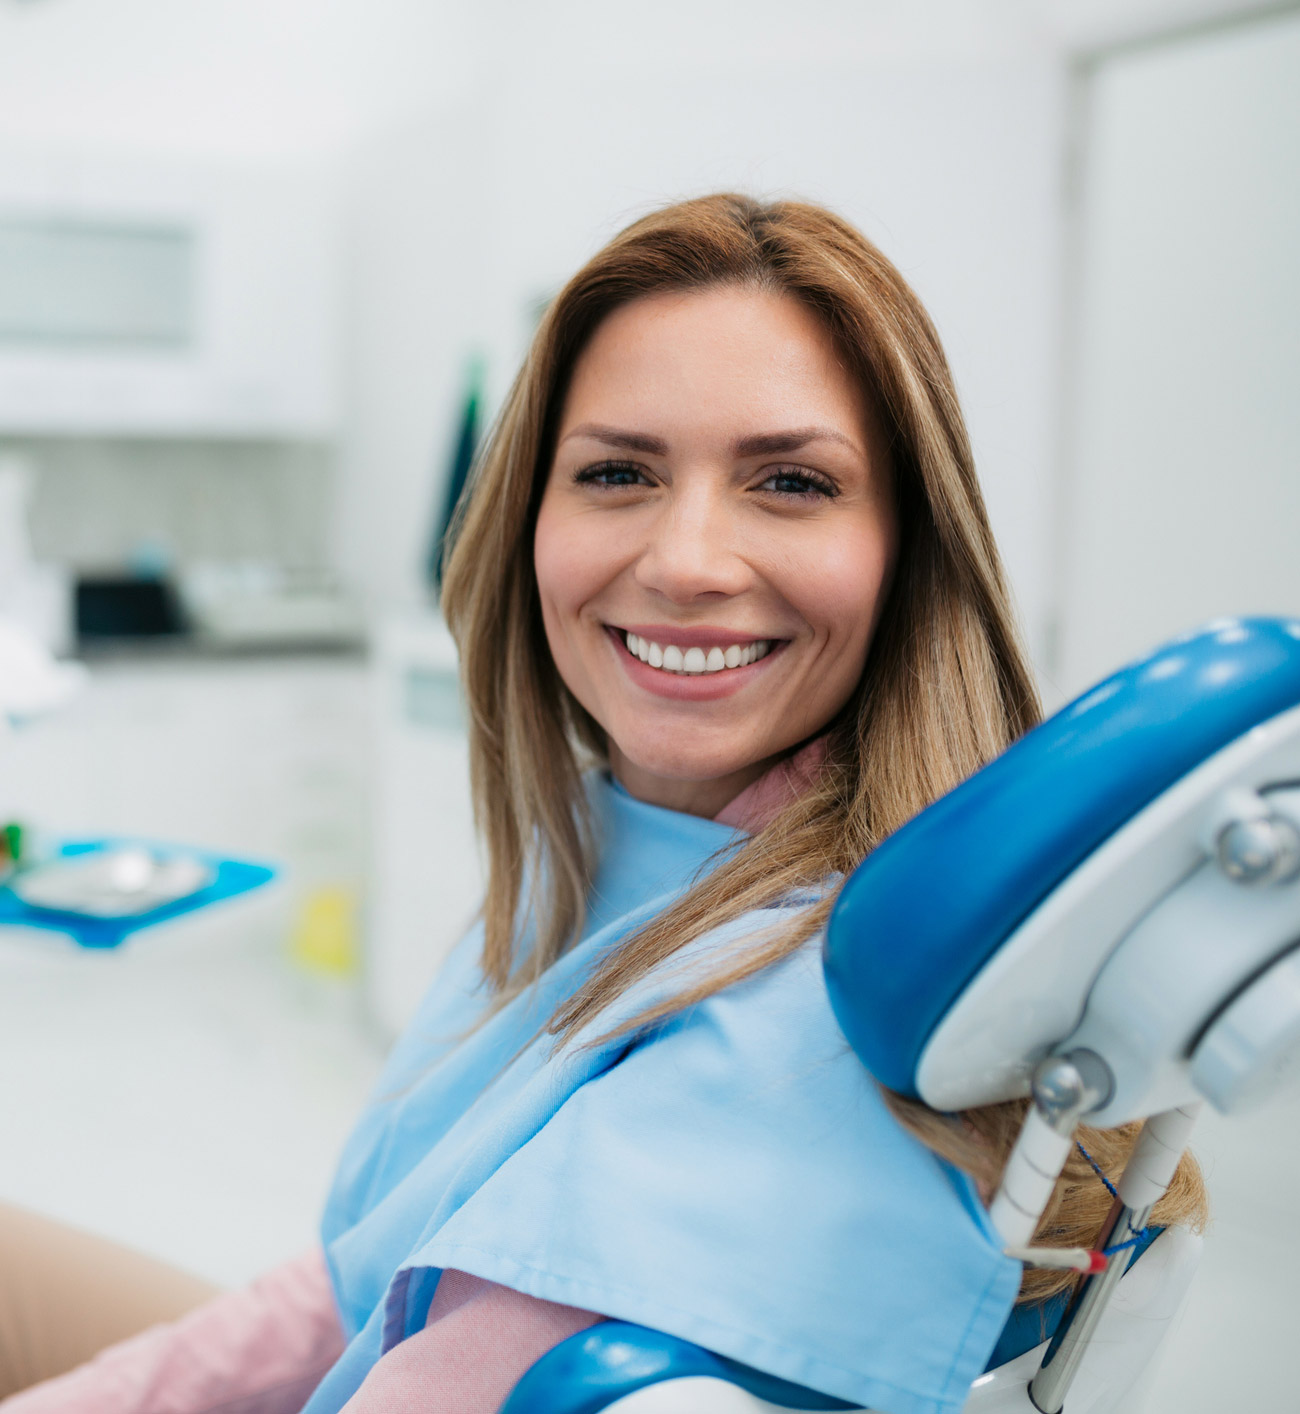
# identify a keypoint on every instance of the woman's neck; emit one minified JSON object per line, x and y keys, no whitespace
{"x":703,"y":798}
{"x":748,"y":799}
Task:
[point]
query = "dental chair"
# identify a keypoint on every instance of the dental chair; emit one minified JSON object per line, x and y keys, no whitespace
{"x":1104,"y":920}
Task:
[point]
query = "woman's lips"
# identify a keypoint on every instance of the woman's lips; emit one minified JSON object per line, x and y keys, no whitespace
{"x":716,"y":664}
{"x":706,"y":636}
{"x":677,"y":658}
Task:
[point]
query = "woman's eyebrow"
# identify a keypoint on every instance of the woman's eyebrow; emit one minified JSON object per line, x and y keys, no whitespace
{"x":760,"y":444}
{"x":765,"y":444}
{"x":617,"y":437}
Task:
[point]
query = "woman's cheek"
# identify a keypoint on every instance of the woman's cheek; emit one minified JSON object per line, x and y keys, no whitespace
{"x":839,"y":590}
{"x":547,"y":552}
{"x":569,"y":557}
{"x":570,"y":574}
{"x":550,"y":555}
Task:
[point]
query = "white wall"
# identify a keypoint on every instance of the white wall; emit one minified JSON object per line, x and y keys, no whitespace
{"x":247,"y":80}
{"x":937,"y":126}
{"x":495,"y":143}
{"x":466,"y":219}
{"x":270,"y":79}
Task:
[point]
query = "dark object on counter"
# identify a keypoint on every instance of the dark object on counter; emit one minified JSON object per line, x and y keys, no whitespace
{"x":127,"y":607}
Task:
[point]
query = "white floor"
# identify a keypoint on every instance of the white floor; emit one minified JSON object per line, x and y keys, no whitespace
{"x":186,"y":1094}
{"x":189,"y":1093}
{"x":1232,"y":1351}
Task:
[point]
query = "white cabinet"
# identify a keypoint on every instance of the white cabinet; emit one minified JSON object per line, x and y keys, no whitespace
{"x":261,"y":757}
{"x":140,"y":298}
{"x":426,"y":877}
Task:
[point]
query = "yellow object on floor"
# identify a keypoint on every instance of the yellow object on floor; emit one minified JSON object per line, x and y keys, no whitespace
{"x":325,"y":935}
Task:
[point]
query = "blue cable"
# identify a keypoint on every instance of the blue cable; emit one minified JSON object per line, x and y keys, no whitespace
{"x":1114,"y":1193}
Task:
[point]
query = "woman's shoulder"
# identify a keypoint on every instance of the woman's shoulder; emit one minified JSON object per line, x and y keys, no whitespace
{"x":778,"y":1014}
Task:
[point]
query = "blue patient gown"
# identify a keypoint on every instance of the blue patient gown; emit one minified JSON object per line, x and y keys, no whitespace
{"x":734,"y":1178}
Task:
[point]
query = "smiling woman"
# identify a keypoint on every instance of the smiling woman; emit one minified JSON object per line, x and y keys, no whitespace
{"x":729,"y":613}
{"x":736,"y":424}
{"x":715,"y":538}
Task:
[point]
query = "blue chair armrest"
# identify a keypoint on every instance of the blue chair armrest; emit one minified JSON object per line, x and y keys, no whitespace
{"x":596,"y":1367}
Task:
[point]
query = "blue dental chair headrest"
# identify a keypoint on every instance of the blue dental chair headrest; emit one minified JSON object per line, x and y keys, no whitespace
{"x":920,"y":917}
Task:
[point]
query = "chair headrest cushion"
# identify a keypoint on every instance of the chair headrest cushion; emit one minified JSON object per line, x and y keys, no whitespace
{"x":920,"y":917}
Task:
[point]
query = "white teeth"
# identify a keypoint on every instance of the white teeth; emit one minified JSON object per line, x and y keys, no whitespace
{"x":695,"y":661}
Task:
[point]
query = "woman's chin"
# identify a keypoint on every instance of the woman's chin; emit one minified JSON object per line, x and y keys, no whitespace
{"x":682,"y":766}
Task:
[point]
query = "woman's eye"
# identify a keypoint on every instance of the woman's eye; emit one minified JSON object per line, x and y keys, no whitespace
{"x":611,"y":474}
{"x":795,"y":481}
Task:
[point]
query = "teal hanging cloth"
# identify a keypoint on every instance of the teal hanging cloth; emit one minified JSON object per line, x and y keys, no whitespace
{"x":462,"y":459}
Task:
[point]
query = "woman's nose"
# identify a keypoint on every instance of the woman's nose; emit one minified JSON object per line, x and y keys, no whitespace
{"x":693,"y":550}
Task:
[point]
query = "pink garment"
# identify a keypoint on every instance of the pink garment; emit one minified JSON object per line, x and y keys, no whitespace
{"x":264,"y":1348}
{"x":760,"y":803}
{"x":477,"y":1343}
{"x":259,"y":1350}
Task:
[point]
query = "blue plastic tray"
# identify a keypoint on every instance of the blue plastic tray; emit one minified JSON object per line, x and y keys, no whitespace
{"x":230,"y":878}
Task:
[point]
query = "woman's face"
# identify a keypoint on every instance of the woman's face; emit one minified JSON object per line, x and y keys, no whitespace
{"x":715,"y":538}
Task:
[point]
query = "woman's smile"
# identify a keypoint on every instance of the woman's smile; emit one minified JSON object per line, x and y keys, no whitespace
{"x":693,"y":665}
{"x":715,"y":538}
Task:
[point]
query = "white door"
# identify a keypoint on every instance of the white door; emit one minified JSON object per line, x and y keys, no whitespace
{"x":1183,"y":495}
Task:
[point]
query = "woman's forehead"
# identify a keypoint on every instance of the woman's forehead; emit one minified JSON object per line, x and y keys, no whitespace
{"x":724,"y":363}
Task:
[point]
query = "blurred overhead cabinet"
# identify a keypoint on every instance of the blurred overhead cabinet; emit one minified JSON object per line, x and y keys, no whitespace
{"x":138,"y":298}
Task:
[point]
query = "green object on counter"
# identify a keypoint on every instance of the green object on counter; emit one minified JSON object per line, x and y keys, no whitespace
{"x":13,"y":841}
{"x":458,"y":472}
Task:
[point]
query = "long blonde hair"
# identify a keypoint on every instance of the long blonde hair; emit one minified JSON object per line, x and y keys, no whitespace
{"x":946,"y":685}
